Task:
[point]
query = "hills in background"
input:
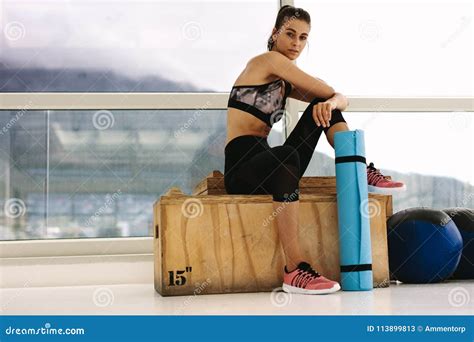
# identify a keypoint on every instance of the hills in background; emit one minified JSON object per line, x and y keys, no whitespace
{"x":13,"y":79}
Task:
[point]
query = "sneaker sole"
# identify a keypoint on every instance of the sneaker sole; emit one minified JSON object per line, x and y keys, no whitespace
{"x":293,"y":289}
{"x":386,"y":191}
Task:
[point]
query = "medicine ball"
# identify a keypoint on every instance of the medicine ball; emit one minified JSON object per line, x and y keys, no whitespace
{"x":424,"y":245}
{"x":464,"y":220}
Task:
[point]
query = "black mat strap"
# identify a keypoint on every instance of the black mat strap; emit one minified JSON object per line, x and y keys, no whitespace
{"x":349,"y":159}
{"x":356,"y":268}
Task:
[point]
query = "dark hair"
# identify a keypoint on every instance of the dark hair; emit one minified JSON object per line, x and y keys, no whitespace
{"x":286,"y":13}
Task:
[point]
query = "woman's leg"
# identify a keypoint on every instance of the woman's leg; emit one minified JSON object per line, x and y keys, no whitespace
{"x":287,"y":222}
{"x":338,"y":127}
{"x":275,"y":171}
{"x":305,"y":136}
{"x":301,"y":278}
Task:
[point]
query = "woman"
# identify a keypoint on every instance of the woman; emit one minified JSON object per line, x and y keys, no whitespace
{"x":256,"y":102}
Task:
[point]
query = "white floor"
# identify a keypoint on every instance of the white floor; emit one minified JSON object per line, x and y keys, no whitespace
{"x":448,"y":298}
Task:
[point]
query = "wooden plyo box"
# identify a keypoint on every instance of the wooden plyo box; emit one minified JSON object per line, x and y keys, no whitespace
{"x":219,"y":243}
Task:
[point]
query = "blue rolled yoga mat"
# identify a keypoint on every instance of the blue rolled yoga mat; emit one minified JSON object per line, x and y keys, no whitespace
{"x":352,"y":211}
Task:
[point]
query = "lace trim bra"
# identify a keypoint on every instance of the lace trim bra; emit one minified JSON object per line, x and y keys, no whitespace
{"x":264,"y":101}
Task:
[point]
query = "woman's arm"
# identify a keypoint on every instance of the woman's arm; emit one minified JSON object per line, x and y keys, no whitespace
{"x":340,"y":100}
{"x":308,"y":87}
{"x":300,"y":95}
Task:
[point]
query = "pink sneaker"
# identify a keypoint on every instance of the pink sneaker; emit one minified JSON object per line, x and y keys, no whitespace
{"x":305,"y":280}
{"x":379,"y":183}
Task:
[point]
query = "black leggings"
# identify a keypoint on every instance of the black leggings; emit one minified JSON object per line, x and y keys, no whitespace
{"x":253,"y":167}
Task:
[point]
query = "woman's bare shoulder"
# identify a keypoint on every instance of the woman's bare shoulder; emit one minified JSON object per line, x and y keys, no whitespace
{"x":259,"y":69}
{"x":266,"y":57}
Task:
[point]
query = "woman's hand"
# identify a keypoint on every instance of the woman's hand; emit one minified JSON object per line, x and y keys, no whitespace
{"x":322,"y":112}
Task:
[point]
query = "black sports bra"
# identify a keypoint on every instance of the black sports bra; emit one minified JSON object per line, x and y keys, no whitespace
{"x":264,"y":101}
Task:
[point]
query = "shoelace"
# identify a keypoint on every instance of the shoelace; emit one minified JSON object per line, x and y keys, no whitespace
{"x":312,"y":272}
{"x":306,"y":276}
{"x":374,"y":174}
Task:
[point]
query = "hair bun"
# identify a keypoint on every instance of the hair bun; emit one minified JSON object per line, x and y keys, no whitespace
{"x":283,"y":7}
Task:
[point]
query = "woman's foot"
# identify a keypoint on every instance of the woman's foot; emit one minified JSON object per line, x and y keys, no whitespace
{"x":305,"y":280}
{"x":379,"y":183}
